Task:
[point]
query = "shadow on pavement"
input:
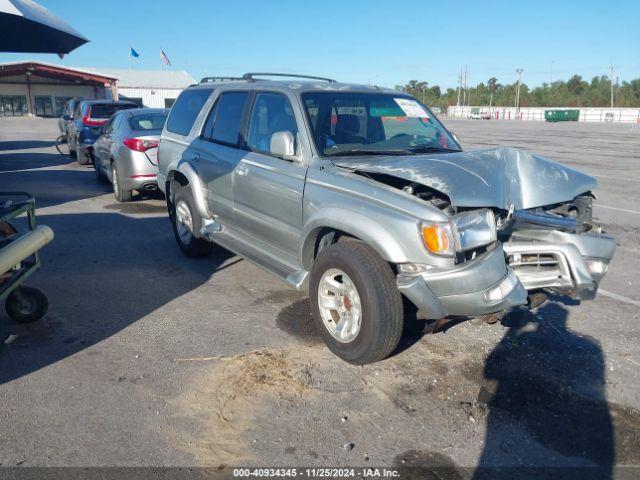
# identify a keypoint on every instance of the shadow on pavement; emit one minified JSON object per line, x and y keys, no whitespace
{"x":12,"y":162}
{"x":101,"y":274}
{"x":544,"y":387}
{"x":25,"y":144}
{"x":54,"y":187}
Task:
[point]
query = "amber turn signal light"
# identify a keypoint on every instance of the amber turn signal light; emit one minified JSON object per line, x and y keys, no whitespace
{"x":437,"y":239}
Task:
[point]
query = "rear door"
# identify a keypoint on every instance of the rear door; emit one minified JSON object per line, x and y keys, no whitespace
{"x":268,"y":189}
{"x":219,"y":149}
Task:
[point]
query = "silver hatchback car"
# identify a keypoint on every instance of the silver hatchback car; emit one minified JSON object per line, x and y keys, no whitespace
{"x":127,"y":151}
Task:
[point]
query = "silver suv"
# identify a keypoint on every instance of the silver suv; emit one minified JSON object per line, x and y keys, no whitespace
{"x":362,"y":196}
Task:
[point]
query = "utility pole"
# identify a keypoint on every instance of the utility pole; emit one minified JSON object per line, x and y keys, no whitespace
{"x":464,"y":85}
{"x":519,"y":72}
{"x":613,"y":72}
{"x":459,"y":87}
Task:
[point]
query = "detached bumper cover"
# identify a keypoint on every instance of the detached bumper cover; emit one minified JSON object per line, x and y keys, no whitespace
{"x":485,"y":285}
{"x":566,"y":262}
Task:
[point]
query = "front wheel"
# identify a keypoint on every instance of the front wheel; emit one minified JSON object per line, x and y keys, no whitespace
{"x":355,"y":303}
{"x":26,"y":305}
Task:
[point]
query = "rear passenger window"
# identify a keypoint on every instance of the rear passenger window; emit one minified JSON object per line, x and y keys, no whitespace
{"x":225,"y":120}
{"x":186,"y":109}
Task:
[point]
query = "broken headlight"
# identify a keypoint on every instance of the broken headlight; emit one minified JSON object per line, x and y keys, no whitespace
{"x":473,"y":229}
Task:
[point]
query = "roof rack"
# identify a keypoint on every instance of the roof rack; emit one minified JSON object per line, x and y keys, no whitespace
{"x":221,"y":79}
{"x":250,"y":76}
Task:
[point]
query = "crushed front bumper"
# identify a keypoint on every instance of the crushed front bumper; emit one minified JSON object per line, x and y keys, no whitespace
{"x":569,"y":263}
{"x":479,"y":287}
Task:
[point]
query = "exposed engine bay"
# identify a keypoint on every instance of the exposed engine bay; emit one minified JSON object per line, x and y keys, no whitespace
{"x":554,"y":247}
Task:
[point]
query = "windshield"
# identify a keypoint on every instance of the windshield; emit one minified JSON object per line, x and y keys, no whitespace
{"x":371,"y":123}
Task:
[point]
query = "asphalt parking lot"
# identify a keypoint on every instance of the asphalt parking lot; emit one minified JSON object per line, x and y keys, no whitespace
{"x":147,"y":358}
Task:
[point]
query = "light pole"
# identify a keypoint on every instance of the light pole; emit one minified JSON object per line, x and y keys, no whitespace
{"x":423,"y":88}
{"x":612,"y":75}
{"x":519,"y":72}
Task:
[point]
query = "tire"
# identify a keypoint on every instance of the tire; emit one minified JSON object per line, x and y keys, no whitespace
{"x":121,"y":194}
{"x":185,"y":221}
{"x":82,"y":159}
{"x":99,"y":176}
{"x":26,"y":305}
{"x":72,"y":152}
{"x":376,"y":294}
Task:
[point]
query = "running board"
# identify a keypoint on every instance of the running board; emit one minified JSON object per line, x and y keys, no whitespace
{"x":295,"y":278}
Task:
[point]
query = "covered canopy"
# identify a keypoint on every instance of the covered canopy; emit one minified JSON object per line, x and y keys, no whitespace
{"x":26,"y":27}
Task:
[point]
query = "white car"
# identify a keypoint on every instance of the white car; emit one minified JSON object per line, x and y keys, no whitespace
{"x":479,"y":116}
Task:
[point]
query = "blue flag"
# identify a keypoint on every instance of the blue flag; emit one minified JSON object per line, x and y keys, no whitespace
{"x":133,"y":53}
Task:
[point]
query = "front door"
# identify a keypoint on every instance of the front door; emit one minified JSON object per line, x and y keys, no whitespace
{"x":267,"y":189}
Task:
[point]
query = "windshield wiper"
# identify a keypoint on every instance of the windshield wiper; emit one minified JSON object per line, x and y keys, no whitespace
{"x":353,"y":153}
{"x":431,"y":149}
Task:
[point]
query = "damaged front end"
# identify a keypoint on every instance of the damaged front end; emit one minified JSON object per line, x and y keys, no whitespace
{"x":559,"y":248}
{"x":545,"y":238}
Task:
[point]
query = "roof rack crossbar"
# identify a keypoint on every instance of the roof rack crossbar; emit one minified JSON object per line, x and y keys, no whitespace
{"x":250,"y":76}
{"x":220,"y":79}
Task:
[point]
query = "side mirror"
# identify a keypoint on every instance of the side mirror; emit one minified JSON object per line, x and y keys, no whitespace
{"x":283,"y":144}
{"x":67,"y":117}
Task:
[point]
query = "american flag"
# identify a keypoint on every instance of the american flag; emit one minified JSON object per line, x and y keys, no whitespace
{"x":164,"y":58}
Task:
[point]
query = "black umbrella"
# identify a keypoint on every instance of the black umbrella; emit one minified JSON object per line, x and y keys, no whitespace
{"x":26,"y":27}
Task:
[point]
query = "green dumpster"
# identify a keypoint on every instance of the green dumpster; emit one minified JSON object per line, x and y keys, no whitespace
{"x":562,"y":115}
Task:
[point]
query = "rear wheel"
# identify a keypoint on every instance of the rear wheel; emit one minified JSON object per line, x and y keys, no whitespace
{"x":355,"y":303}
{"x":121,"y":194}
{"x":185,"y":222}
{"x":26,"y":304}
{"x":81,"y":157}
{"x":98,"y":171}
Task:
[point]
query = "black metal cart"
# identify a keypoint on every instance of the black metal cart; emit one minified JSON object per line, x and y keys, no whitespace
{"x":19,"y":257}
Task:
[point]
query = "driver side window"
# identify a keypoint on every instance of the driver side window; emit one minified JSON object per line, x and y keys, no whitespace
{"x":272,"y":112}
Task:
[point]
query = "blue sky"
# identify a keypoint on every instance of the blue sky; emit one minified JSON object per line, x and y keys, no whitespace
{"x":382,"y":42}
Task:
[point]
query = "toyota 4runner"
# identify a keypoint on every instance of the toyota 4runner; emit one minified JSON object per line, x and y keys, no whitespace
{"x":361,"y":195}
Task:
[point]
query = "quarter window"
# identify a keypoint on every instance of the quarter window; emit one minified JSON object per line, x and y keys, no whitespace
{"x":186,"y":109}
{"x":272,"y":112}
{"x":225,"y":119}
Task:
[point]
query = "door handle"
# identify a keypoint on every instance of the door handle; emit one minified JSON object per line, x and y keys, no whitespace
{"x":243,"y":170}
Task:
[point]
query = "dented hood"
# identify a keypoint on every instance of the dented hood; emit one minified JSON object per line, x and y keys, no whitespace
{"x":495,"y":177}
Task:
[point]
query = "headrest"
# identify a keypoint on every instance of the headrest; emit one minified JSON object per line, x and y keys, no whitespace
{"x":348,"y":123}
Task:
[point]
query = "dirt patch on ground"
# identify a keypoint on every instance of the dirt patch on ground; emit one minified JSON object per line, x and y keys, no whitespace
{"x":235,"y":391}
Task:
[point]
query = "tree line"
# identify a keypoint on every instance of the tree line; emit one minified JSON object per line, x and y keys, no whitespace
{"x":575,"y":92}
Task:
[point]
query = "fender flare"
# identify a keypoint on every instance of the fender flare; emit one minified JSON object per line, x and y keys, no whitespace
{"x":364,"y":227}
{"x":197,"y":190}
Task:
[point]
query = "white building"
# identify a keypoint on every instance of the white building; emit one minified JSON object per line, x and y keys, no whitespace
{"x":42,"y":89}
{"x":150,"y":88}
